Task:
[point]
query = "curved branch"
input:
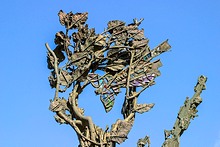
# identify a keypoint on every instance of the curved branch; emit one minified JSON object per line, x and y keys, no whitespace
{"x":73,"y":124}
{"x":78,"y":115}
{"x":55,"y":68}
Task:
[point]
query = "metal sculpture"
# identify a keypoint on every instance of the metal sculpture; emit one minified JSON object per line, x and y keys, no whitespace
{"x":186,"y":113}
{"x":117,"y":58}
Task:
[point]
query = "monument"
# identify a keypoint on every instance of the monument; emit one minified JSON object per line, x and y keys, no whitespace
{"x":118,"y":58}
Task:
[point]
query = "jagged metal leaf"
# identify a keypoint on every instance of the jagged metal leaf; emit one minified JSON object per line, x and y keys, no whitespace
{"x":71,"y":20}
{"x":143,"y":80}
{"x":141,"y":108}
{"x":59,"y":54}
{"x":79,"y":18}
{"x":94,"y":79}
{"x":119,"y":135}
{"x":58,"y":104}
{"x":163,"y":47}
{"x":82,"y":34}
{"x":62,"y":17}
{"x":143,"y":141}
{"x":137,"y":34}
{"x":115,"y":25}
{"x":100,"y":40}
{"x":60,"y":38}
{"x":140,"y":43}
{"x":76,"y":57}
{"x":115,"y":67}
{"x":52,"y":81}
{"x":65,"y":78}
{"x":50,"y":61}
{"x":108,"y":100}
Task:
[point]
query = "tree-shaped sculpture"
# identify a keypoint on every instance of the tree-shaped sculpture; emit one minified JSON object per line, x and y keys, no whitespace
{"x":122,"y":54}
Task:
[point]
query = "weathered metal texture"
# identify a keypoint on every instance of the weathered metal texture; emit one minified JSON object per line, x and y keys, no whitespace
{"x":143,"y":142}
{"x":117,"y":58}
{"x":186,"y":113}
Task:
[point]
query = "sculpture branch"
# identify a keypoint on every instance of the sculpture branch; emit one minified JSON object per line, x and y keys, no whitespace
{"x":56,"y":70}
{"x":186,"y":113}
{"x":78,"y":115}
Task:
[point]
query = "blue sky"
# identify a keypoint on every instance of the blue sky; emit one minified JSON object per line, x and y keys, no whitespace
{"x":193,"y":30}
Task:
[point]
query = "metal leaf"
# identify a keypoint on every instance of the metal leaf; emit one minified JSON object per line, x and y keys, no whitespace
{"x":141,"y":108}
{"x":115,"y":67}
{"x":65,"y":78}
{"x":120,"y":133}
{"x":59,"y":54}
{"x":62,"y":17}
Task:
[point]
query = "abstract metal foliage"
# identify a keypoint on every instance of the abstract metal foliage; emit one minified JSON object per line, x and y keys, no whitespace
{"x":117,"y":58}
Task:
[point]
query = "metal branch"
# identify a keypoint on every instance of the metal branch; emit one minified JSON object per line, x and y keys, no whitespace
{"x":129,"y":74}
{"x":78,"y":115}
{"x":73,"y":124}
{"x":56,"y":70}
{"x":186,"y":113}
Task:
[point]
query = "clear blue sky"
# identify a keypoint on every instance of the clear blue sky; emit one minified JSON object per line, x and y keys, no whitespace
{"x":193,"y":30}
